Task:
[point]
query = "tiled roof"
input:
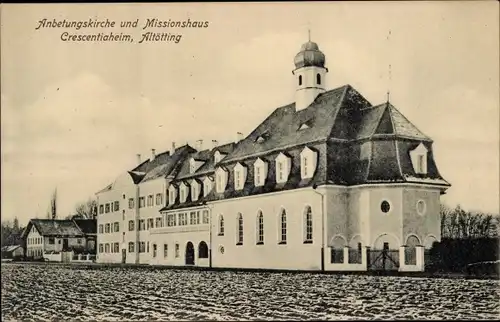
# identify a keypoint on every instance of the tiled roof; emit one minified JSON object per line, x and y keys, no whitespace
{"x":54,"y":227}
{"x":209,"y":166}
{"x":336,"y":124}
{"x":164,"y":164}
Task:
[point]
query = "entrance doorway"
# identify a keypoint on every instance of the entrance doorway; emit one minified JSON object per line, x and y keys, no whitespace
{"x":189,"y":254}
{"x":124,"y":256}
{"x":65,"y":244}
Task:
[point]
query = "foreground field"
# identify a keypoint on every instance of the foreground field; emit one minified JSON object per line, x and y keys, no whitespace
{"x":39,"y":292}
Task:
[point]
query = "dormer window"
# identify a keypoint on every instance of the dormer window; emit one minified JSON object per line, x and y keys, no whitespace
{"x":308,"y":162}
{"x":303,"y":127}
{"x":240,"y":174}
{"x":183,"y":191}
{"x":220,"y":180}
{"x":195,"y":190}
{"x":171,"y":195}
{"x":419,"y":159}
{"x":218,"y":157}
{"x":283,"y":166}
{"x":260,"y":172}
{"x":263,"y":137}
{"x":207,"y":186}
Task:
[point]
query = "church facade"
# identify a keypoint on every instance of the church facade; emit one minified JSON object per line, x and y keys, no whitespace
{"x":329,"y":182}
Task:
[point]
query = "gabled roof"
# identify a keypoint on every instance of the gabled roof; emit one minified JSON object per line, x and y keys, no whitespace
{"x":54,"y":227}
{"x":164,"y":166}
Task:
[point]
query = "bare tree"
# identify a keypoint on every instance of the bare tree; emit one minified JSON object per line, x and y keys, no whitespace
{"x":459,"y":223}
{"x":86,"y":209}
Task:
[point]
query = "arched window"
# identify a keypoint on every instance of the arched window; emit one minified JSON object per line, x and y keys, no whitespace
{"x":240,"y":229}
{"x":260,"y":228}
{"x":300,"y":80}
{"x":221,"y":225}
{"x":202,"y":250}
{"x":308,"y":226}
{"x":283,"y":227}
{"x":318,"y":79}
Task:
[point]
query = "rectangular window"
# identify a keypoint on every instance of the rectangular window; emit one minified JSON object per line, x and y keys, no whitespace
{"x":420,"y":165}
{"x":100,"y":229}
{"x":159,"y":222}
{"x":165,"y":250}
{"x":107,"y":207}
{"x":150,"y":201}
{"x":117,"y":247}
{"x":205,"y":217}
{"x":131,"y":203}
{"x":101,"y":248}
{"x":106,"y":248}
{"x":117,"y":205}
{"x":280,"y":171}
{"x":198,"y":217}
{"x":257,"y":175}
{"x":159,"y":199}
{"x":150,"y":223}
{"x":237,"y":179}
{"x":130,"y":247}
{"x":52,"y":240}
{"x":142,"y":224}
{"x":154,"y":250}
{"x":131,"y":225}
{"x":304,"y":164}
{"x":142,"y":202}
{"x":142,"y":247}
{"x":107,"y":229}
{"x":182,"y":195}
{"x":117,"y":227}
{"x":176,"y":250}
{"x":148,"y":247}
{"x":101,"y":209}
{"x":172,"y":197}
{"x":192,"y":218}
{"x":79,"y":241}
{"x":171,"y":220}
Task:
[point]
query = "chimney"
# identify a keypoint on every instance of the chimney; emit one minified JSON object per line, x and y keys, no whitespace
{"x":153,"y":154}
{"x":138,"y":159}
{"x":172,"y":149}
{"x":215,"y":144}
{"x":199,"y":145}
{"x":239,"y":137}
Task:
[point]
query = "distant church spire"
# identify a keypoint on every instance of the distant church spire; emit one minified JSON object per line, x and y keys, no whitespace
{"x":309,"y":34}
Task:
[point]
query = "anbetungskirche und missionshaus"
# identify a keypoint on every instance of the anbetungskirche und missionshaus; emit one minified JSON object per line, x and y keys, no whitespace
{"x":329,"y":182}
{"x":106,"y":23}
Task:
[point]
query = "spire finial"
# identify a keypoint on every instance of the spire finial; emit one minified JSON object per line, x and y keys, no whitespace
{"x":309,"y":34}
{"x":389,"y":68}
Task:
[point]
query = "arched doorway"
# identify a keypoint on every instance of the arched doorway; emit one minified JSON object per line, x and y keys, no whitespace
{"x":202,"y":250}
{"x":189,"y":253}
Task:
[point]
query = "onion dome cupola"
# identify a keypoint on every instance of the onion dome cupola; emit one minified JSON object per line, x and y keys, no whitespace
{"x":310,"y":74}
{"x":309,"y":55}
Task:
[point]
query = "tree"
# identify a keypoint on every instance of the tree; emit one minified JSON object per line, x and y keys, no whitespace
{"x":86,"y":209}
{"x":461,"y":224}
{"x":53,"y":205}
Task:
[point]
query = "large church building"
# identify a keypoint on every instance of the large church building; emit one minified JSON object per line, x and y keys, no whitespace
{"x":329,"y":182}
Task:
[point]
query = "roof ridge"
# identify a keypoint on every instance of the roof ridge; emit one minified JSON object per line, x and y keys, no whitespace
{"x":408,"y":121}
{"x":339,"y":106}
{"x":380,"y":120}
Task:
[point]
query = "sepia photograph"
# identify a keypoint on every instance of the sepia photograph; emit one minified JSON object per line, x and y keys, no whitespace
{"x":250,"y":161}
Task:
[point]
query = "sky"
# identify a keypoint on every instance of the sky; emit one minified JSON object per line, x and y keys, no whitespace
{"x":75,"y":114}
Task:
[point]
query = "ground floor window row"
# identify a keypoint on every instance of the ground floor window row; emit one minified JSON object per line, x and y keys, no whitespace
{"x":259,"y":227}
{"x":34,"y":252}
{"x":143,"y":247}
